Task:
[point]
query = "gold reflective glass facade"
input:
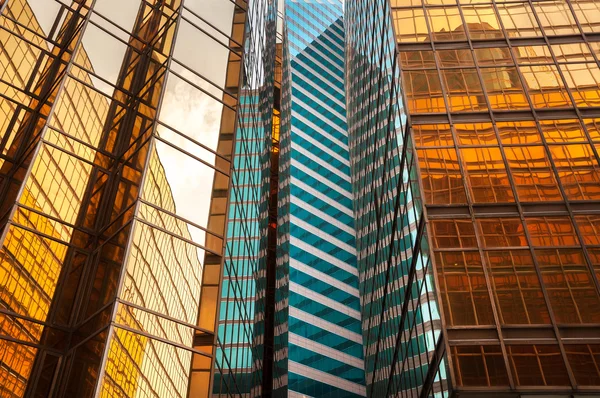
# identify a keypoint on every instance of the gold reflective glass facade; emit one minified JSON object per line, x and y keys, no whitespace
{"x":121,"y":134}
{"x":503,"y":99}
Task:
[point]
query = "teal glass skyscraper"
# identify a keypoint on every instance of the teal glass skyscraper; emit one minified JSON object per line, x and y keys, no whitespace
{"x":318,"y":349}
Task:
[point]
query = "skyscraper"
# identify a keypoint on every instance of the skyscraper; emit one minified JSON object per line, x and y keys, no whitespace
{"x":494,"y":108}
{"x":317,"y":339}
{"x":131,"y":133}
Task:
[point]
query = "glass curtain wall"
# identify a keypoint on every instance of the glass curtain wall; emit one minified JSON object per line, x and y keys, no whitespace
{"x":504,"y":105}
{"x":401,"y":324}
{"x":120,"y":125}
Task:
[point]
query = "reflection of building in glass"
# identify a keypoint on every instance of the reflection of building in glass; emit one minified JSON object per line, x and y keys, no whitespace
{"x":113,"y":202}
{"x":317,"y":338}
{"x":502,"y":103}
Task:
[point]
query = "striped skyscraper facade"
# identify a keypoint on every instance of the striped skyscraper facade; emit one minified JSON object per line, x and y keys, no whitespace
{"x":318,"y":342}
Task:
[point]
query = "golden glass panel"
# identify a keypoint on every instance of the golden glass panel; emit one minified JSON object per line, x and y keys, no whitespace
{"x":199,"y":384}
{"x":588,"y":14}
{"x":493,"y":56}
{"x":457,"y":233}
{"x":537,"y":365}
{"x":17,"y":360}
{"x":504,"y":88}
{"x":454,"y":58}
{"x":572,"y":52}
{"x":555,"y":17}
{"x":432,"y":135}
{"x":585,"y":363}
{"x":463,"y":89}
{"x":480,"y":365}
{"x":208,"y":308}
{"x":417,"y":60}
{"x":593,"y":128}
{"x":584,"y":82}
{"x":133,"y":367}
{"x":441,"y":176}
{"x":159,"y":262}
{"x":423,"y":91}
{"x":594,"y":253}
{"x":440,"y":2}
{"x":551,"y":231}
{"x":578,"y":170}
{"x":410,"y":25}
{"x":516,"y":287}
{"x":545,"y":86}
{"x":463,"y":288}
{"x":502,"y":232}
{"x":518,"y":132}
{"x":532,"y":175}
{"x":482,"y":22}
{"x":518,"y":20}
{"x":589,"y":227}
{"x":573,"y":295}
{"x":595,"y":46}
{"x":475,"y":134}
{"x":487,"y":180}
{"x":538,"y":54}
{"x":446,"y":24}
{"x":566,"y":130}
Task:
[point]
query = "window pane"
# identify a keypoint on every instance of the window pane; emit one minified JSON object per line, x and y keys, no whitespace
{"x":446,"y":24}
{"x":517,"y":288}
{"x":476,"y":134}
{"x":482,"y":22}
{"x":532,"y":176}
{"x":555,"y":17}
{"x":486,"y":175}
{"x":504,"y":88}
{"x":463,"y":288}
{"x":479,"y":366}
{"x":410,"y":25}
{"x":578,"y":170}
{"x":569,"y":284}
{"x":441,"y":175}
{"x":518,"y":20}
{"x":518,"y":132}
{"x":585,"y":363}
{"x":545,"y":86}
{"x":464,"y":90}
{"x":502,"y":232}
{"x":537,"y":365}
{"x":423,"y":91}
{"x":453,"y":233}
{"x":432,"y":135}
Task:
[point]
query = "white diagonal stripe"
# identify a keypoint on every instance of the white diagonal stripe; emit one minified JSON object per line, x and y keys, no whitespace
{"x":326,"y":301}
{"x":327,"y":351}
{"x":323,"y":235}
{"x":319,"y":195}
{"x":330,"y":280}
{"x":322,"y":255}
{"x":326,"y":378}
{"x":325,"y":325}
{"x":320,"y":178}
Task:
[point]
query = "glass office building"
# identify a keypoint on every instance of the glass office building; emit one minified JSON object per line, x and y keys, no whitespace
{"x":502,"y":105}
{"x":134,"y":142}
{"x":317,"y":339}
{"x":400,"y":315}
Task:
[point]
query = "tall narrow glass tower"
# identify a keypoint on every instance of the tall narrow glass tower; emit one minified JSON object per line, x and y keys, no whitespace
{"x":318,"y":342}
